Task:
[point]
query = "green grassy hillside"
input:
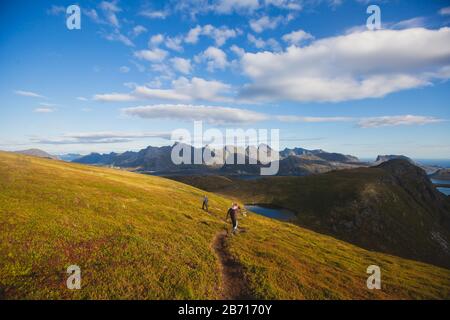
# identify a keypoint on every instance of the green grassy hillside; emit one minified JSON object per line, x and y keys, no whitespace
{"x":143,"y":237}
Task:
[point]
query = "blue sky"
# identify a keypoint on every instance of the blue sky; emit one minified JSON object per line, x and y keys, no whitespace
{"x":138,"y":70}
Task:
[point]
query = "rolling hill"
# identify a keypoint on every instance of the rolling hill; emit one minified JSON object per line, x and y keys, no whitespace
{"x":143,"y":237}
{"x":393,"y":208}
{"x":37,"y":153}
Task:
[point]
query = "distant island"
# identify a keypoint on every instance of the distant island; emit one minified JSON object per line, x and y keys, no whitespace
{"x":441,"y":174}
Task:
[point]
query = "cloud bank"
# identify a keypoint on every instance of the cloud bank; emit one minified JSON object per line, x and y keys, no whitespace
{"x":360,"y":65}
{"x":220,"y":115}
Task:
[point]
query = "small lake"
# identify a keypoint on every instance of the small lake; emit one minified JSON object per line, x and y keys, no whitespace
{"x":248,"y":178}
{"x":444,"y":190}
{"x":271,"y":212}
{"x":437,"y":181}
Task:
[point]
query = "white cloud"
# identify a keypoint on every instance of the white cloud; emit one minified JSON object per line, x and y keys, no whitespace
{"x":56,"y":10}
{"x":290,"y":118}
{"x":117,"y":36}
{"x":109,"y":134}
{"x":193,"y":34}
{"x":356,"y":29}
{"x":285,"y":4}
{"x":182,"y":65}
{"x":154,"y":14}
{"x":137,"y":30}
{"x":220,"y":35}
{"x":93,"y":15}
{"x":153,"y":55}
{"x":181,"y":89}
{"x":273,"y":44}
{"x":82,"y":99}
{"x":193,"y":8}
{"x":45,"y":104}
{"x":265,"y":22}
{"x":164,"y":69}
{"x":259,"y":43}
{"x":376,"y":122}
{"x":109,"y":10}
{"x":155,"y":40}
{"x":145,"y":92}
{"x":130,"y":85}
{"x":416,"y":22}
{"x":227,"y":115}
{"x":445,"y":11}
{"x":237,"y":50}
{"x":350,"y":67}
{"x":210,"y":114}
{"x":28,"y":94}
{"x":138,"y":66}
{"x":297,"y":37}
{"x":124,"y":69}
{"x":174,"y":43}
{"x":44,"y":110}
{"x":229,"y":6}
{"x":114,"y":97}
{"x":215,"y":58}
{"x":101,"y":137}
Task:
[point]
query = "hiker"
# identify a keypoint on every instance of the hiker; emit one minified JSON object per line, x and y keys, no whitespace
{"x":205,"y":203}
{"x":232,"y":212}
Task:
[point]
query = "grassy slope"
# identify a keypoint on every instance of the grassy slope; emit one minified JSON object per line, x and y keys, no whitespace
{"x":137,"y":236}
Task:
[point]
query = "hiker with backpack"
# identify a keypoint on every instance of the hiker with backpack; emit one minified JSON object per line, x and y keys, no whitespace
{"x":232,"y":212}
{"x":205,"y":203}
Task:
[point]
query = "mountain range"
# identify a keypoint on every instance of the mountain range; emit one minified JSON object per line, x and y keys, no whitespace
{"x":296,"y":161}
{"x":292,"y":162}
